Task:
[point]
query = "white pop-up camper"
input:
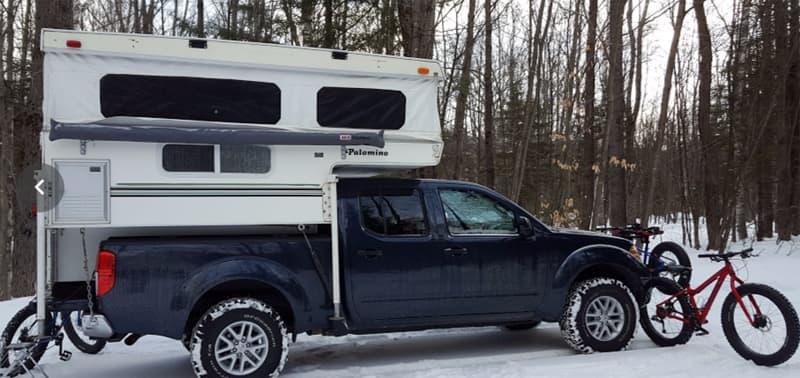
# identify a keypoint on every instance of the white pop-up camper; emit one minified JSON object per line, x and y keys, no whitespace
{"x":151,"y":135}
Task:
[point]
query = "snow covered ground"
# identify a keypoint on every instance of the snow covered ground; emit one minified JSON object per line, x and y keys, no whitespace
{"x":476,"y":352}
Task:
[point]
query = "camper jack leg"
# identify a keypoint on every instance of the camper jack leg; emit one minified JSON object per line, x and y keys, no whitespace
{"x":41,"y":270}
{"x":337,"y":322}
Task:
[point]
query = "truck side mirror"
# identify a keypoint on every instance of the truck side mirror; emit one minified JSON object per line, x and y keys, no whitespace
{"x":525,"y":227}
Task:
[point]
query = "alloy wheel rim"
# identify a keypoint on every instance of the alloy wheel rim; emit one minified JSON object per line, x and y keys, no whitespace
{"x":241,"y":348}
{"x":605,"y":318}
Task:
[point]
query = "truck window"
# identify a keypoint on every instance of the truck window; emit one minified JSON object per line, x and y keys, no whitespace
{"x":393,"y":214}
{"x":471,"y":213}
{"x":361,"y":108}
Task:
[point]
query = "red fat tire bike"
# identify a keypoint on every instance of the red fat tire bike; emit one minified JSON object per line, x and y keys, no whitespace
{"x":759,"y":322}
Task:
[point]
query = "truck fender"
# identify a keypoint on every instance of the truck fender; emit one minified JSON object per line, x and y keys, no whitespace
{"x":265,"y":271}
{"x":593,"y":256}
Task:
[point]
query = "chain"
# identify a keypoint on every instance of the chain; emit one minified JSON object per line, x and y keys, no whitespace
{"x":89,"y":296}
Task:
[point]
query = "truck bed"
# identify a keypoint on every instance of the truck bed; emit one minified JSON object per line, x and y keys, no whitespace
{"x":180,"y":272}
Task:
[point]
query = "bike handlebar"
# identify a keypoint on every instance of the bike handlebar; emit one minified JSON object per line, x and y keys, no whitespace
{"x":745,"y":253}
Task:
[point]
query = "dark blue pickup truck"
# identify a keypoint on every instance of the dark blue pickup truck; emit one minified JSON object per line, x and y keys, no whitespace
{"x":415,"y":254}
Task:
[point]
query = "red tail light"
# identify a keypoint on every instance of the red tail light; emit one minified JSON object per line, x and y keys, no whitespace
{"x":106,"y":267}
{"x":74,"y":44}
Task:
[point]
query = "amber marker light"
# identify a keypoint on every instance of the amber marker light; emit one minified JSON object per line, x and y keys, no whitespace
{"x":423,"y":70}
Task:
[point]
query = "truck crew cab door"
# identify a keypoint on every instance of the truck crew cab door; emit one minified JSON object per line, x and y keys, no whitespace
{"x":393,"y":268}
{"x":492,"y":265}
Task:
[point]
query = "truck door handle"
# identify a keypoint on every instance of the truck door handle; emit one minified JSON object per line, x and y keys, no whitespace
{"x":370,"y":254}
{"x":457,"y":251}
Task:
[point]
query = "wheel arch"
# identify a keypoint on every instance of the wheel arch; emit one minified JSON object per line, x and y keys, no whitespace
{"x":263,"y":280}
{"x":245,"y":287}
{"x":591,"y":262}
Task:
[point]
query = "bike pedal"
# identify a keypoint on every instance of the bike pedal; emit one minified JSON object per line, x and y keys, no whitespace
{"x":700,"y":331}
{"x":65,"y":355}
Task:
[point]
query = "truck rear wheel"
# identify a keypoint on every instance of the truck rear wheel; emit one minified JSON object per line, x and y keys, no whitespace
{"x":239,"y":337}
{"x":600,"y":316}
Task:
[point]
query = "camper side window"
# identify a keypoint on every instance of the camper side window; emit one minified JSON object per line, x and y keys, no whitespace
{"x":244,"y":159}
{"x":187,"y":158}
{"x":193,"y":98}
{"x":393,"y":214}
{"x":361,"y":108}
{"x":199,"y":158}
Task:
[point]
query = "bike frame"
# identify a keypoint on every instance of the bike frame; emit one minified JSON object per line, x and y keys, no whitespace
{"x":718,"y":278}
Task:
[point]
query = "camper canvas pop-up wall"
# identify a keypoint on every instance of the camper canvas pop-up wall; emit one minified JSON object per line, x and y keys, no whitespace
{"x":148,"y":135}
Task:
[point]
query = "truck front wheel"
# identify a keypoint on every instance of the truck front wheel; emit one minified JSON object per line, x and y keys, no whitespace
{"x":600,"y":316}
{"x":239,"y":337}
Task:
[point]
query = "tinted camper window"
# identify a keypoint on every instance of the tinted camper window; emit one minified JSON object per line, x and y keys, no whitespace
{"x":190,"y":98}
{"x":188,"y":158}
{"x":232,"y":158}
{"x":361,"y":108}
{"x":244,"y":159}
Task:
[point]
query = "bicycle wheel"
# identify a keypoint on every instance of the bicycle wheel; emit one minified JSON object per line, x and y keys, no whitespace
{"x":72,"y":327}
{"x":773,"y":337}
{"x":670,"y":253}
{"x":663,"y":330}
{"x":23,"y":328}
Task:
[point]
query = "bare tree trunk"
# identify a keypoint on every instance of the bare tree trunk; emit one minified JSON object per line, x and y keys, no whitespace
{"x":793,"y":115}
{"x":288,"y":10}
{"x":49,"y":14}
{"x":306,"y":20}
{"x":617,"y":190}
{"x":488,"y":104}
{"x":201,"y":27}
{"x":663,"y":111}
{"x":417,"y":27}
{"x":233,"y":28}
{"x":531,"y":96}
{"x":587,"y":164}
{"x":137,"y":23}
{"x":783,"y":220}
{"x":709,"y":153}
{"x":463,"y":91}
{"x":330,"y":36}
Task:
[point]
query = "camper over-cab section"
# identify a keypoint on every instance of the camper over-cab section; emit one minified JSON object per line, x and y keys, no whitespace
{"x":158,"y":122}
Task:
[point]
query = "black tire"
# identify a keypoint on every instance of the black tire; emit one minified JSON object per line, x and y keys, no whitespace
{"x":90,"y":346}
{"x":186,"y":341}
{"x":732,"y":315}
{"x":22,"y":327}
{"x":213,"y":328}
{"x":582,"y":304}
{"x":523,"y":326}
{"x":662,"y":330}
{"x":672,"y":253}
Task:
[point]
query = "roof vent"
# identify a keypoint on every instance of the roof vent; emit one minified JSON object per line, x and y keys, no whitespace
{"x":339,"y":55}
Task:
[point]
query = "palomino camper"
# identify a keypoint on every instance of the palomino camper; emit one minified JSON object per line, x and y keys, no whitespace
{"x":152,"y":132}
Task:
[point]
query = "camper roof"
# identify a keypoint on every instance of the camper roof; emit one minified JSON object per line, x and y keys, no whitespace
{"x":236,"y":52}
